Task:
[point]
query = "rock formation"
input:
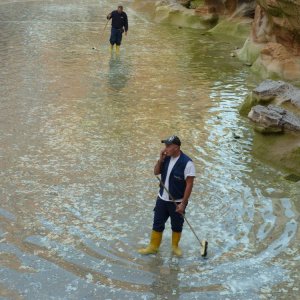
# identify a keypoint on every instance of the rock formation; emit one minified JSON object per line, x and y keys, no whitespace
{"x":172,"y":12}
{"x":273,"y":119}
{"x":274,"y":109}
{"x":273,"y":48}
{"x":201,"y":14}
{"x":222,"y":7}
{"x":273,"y":92}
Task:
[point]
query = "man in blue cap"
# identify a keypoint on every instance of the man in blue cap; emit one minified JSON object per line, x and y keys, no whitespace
{"x":177,"y":174}
{"x":119,"y":25}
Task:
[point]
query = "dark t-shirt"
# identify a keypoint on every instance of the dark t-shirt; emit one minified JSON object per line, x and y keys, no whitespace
{"x":119,"y":20}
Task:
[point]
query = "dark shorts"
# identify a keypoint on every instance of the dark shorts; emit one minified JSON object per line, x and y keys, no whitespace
{"x":162,"y":211}
{"x":116,"y":36}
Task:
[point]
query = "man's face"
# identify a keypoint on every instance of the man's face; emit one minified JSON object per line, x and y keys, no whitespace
{"x":171,"y":149}
{"x":120,"y":9}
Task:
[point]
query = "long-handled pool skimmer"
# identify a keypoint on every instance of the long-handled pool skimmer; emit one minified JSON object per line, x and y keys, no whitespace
{"x":102,"y":36}
{"x":203,"y":243}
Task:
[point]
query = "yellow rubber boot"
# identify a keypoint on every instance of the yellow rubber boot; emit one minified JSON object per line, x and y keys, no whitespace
{"x":175,"y":241}
{"x":117,"y":49}
{"x":111,"y":49}
{"x":154,"y":244}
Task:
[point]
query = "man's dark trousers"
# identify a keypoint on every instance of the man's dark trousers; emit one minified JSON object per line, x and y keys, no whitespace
{"x":116,"y":36}
{"x":162,"y":211}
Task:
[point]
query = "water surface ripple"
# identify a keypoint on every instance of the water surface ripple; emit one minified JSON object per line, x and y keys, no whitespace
{"x":80,"y":132}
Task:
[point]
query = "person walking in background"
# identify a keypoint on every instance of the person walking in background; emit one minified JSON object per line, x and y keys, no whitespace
{"x":177,"y":174}
{"x":119,"y":25}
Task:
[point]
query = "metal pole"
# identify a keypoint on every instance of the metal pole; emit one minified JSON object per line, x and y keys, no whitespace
{"x":203,"y":243}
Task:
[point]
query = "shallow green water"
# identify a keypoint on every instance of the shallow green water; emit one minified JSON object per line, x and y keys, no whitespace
{"x":80,"y":133}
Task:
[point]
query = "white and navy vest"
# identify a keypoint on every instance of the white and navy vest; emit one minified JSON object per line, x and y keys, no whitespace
{"x":177,"y":183}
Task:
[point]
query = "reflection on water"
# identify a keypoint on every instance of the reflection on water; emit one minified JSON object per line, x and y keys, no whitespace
{"x":118,"y":75}
{"x":80,"y":131}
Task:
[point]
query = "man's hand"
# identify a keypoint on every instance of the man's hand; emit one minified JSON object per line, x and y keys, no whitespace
{"x":180,"y":208}
{"x":157,"y":167}
{"x":162,"y":155}
{"x":125,"y":32}
{"x":188,"y":189}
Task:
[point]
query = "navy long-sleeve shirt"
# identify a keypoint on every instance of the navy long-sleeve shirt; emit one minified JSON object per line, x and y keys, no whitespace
{"x":119,"y":20}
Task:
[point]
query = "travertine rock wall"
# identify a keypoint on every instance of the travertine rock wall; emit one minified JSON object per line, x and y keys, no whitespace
{"x":278,"y":21}
{"x":222,"y":7}
{"x":273,"y":48}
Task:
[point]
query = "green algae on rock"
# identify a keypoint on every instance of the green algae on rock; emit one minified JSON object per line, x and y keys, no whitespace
{"x":173,"y":13}
{"x":281,"y":151}
{"x":273,"y":48}
{"x":274,"y":92}
{"x":238,"y":28}
{"x":273,"y":119}
{"x":181,"y":16}
{"x":202,"y":14}
{"x":292,"y":177}
{"x":276,"y":148}
{"x":271,"y":60}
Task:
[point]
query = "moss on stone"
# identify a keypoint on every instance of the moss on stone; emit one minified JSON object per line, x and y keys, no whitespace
{"x":292,"y":177}
{"x":252,"y":100}
{"x":238,"y":28}
{"x":291,"y":162}
{"x":196,"y":3}
{"x":183,"y":17}
{"x":250,"y":52}
{"x":279,"y":150}
{"x":266,"y":71}
{"x":247,"y":105}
